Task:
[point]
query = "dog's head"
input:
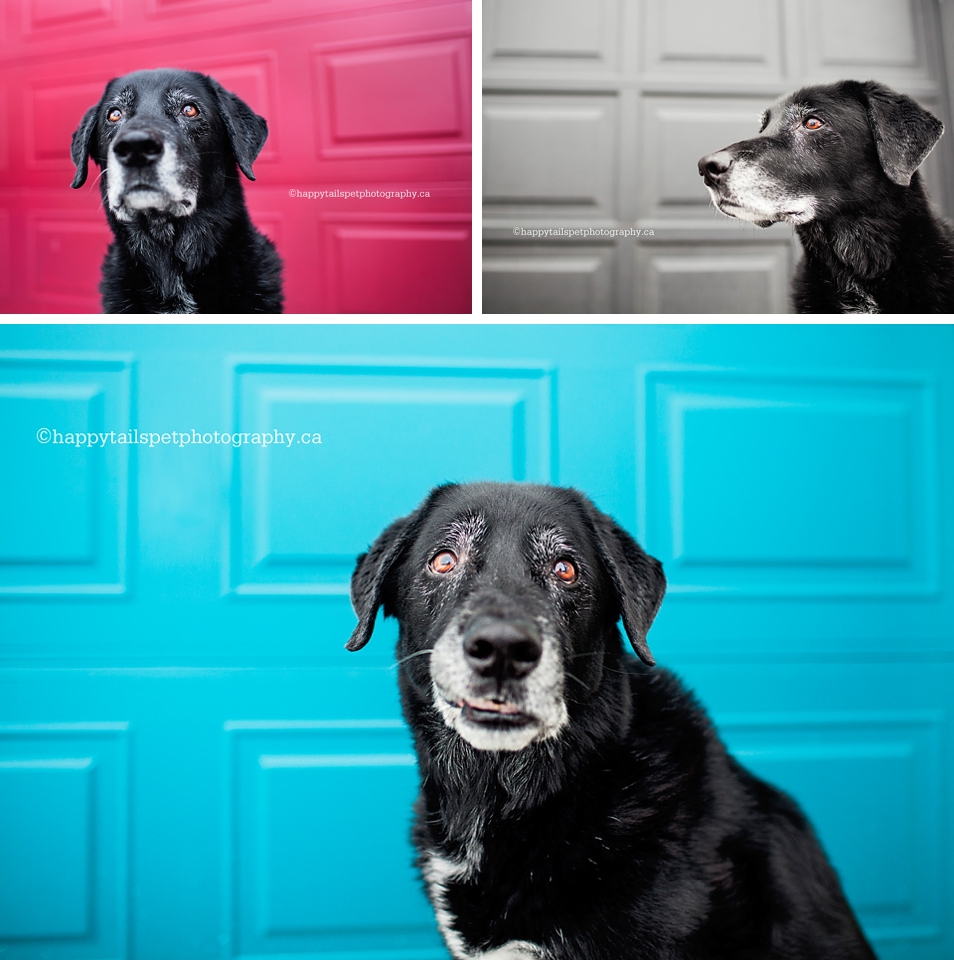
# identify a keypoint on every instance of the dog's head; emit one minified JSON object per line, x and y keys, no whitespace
{"x":818,"y":148}
{"x":508,"y":596}
{"x":166,"y":140}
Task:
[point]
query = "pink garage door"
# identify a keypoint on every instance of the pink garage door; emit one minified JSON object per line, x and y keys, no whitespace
{"x":362,"y":97}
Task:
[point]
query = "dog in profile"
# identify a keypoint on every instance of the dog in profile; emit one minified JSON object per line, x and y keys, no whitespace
{"x":576,"y":802}
{"x":840,"y":162}
{"x":170,"y":144}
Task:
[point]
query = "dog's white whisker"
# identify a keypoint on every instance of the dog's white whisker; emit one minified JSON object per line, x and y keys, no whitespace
{"x":572,"y":676}
{"x":410,"y":656}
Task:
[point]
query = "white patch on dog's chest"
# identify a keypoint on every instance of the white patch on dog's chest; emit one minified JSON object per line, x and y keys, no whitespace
{"x":438,"y":871}
{"x":514,"y":950}
{"x":859,"y":301}
{"x":858,"y":308}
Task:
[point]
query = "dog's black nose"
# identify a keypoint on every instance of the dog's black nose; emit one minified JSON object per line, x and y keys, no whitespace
{"x":138,"y":148}
{"x":502,"y":648}
{"x":715,"y":164}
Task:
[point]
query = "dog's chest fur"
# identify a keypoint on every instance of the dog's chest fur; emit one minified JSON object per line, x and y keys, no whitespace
{"x":519,"y":855}
{"x":444,"y":875}
{"x":441,"y":874}
{"x":886,"y":264}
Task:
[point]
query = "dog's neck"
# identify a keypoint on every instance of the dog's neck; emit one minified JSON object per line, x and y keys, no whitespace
{"x":858,"y":248}
{"x":152,"y":246}
{"x":458,"y":779}
{"x":161,"y":245}
{"x":856,"y":251}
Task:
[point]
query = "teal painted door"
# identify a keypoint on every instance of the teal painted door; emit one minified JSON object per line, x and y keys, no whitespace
{"x":192,"y":766}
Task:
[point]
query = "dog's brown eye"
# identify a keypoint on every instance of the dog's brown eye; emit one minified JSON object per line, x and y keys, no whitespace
{"x":444,"y":562}
{"x":114,"y":115}
{"x":813,"y":123}
{"x":190,"y":110}
{"x":565,"y":571}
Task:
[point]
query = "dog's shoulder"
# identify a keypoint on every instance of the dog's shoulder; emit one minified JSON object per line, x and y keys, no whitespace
{"x":671,"y":746}
{"x":901,"y":265}
{"x":662,"y":699}
{"x":673,"y":743}
{"x":230,"y":286}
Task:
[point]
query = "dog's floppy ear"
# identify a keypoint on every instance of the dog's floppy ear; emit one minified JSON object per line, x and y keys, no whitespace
{"x":247,"y":131}
{"x":370,"y":574}
{"x":79,"y":149}
{"x":904,"y":132}
{"x":637,"y":577}
{"x":374,"y":567}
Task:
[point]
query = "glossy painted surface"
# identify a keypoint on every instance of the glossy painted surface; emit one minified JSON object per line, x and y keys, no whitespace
{"x":192,"y":766}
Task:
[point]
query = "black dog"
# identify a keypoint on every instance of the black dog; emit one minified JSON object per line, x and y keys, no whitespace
{"x":840,"y":162}
{"x":168,"y":142}
{"x":576,"y":804}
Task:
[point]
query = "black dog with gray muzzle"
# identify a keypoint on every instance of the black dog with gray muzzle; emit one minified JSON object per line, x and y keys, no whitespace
{"x":170,"y":144}
{"x":576,"y":803}
{"x":840,"y":162}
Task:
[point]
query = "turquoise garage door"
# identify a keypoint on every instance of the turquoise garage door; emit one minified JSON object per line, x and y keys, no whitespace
{"x":192,"y":766}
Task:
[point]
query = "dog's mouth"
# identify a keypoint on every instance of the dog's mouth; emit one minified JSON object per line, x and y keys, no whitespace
{"x":142,"y":196}
{"x":496,"y":719}
{"x":724,"y":202}
{"x":803,"y":210}
{"x":739,"y":211}
{"x":495,"y":713}
{"x":149,"y":196}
